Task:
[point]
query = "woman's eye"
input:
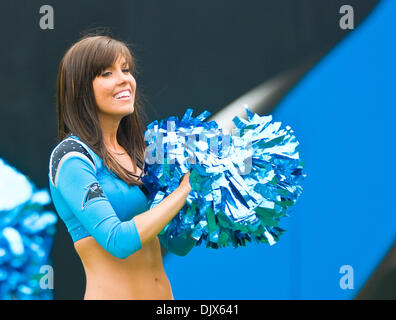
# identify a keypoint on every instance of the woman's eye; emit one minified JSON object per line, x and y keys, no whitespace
{"x":107,"y":73}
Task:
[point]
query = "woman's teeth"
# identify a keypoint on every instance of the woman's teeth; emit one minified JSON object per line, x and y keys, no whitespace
{"x":124,"y":95}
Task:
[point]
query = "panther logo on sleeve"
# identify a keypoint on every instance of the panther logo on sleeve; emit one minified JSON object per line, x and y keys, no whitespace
{"x":93,"y":193}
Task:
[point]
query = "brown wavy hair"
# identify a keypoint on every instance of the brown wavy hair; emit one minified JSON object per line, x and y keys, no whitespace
{"x":77,"y":111}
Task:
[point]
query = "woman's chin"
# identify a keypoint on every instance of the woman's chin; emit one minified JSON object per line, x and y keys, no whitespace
{"x":125,"y":110}
{"x":118,"y":111}
{"x":131,"y":110}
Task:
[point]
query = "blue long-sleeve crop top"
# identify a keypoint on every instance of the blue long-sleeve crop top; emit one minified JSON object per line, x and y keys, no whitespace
{"x":92,"y":201}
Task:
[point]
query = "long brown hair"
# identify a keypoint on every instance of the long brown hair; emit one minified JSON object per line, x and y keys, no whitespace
{"x":76,"y":105}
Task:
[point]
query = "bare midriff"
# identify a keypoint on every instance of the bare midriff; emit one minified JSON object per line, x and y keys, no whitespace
{"x":140,"y":276}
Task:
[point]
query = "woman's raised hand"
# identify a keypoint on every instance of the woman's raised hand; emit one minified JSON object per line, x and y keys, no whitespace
{"x":185,"y":182}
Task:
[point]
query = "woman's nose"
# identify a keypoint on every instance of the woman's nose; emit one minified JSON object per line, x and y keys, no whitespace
{"x":122,"y":76}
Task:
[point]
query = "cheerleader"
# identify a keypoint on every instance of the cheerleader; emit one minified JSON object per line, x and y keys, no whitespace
{"x":95,"y":174}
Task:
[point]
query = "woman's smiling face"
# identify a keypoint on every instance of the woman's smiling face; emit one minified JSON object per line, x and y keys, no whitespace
{"x":114,"y":90}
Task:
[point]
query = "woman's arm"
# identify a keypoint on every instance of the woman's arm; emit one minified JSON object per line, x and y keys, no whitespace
{"x":80,"y":191}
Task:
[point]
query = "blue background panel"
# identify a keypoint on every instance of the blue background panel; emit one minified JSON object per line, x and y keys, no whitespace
{"x":343,"y":113}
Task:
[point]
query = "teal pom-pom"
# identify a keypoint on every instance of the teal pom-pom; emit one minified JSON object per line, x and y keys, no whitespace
{"x":242,"y":183}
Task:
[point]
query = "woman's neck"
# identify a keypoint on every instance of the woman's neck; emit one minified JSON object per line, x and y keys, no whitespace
{"x":109,"y":131}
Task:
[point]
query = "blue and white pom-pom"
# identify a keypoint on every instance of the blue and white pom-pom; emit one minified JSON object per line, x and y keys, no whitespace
{"x":26,"y":235}
{"x":242,"y":183}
